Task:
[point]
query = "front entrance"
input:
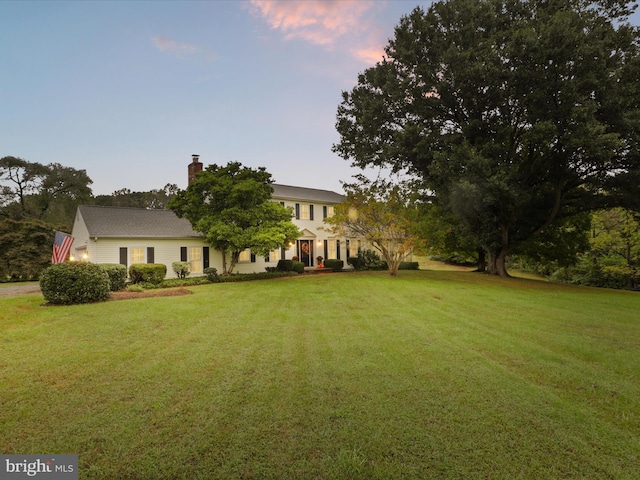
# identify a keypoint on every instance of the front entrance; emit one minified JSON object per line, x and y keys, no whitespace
{"x":305,"y":252}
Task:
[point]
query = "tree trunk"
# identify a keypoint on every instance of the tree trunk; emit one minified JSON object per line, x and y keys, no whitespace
{"x":482,"y":260}
{"x":223,"y":252}
{"x":501,"y":263}
{"x":235,"y":256}
{"x":630,"y":265}
{"x":497,"y":264}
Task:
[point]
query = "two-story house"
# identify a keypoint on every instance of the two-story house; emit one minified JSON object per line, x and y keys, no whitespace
{"x":138,"y":235}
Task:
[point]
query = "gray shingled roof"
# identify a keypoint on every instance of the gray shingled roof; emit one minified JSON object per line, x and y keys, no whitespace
{"x":134,"y":222}
{"x":312,"y":195}
{"x":149,"y":223}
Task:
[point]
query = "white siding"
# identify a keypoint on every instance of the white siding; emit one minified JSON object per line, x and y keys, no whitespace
{"x":167,"y":250}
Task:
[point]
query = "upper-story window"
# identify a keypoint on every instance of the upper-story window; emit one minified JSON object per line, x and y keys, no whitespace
{"x":304,"y":211}
{"x":327,"y":211}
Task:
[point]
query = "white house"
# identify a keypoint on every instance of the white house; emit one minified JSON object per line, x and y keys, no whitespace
{"x":137,"y":235}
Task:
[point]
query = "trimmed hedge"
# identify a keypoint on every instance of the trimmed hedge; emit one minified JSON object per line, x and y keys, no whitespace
{"x":147,"y":272}
{"x":409,"y":266}
{"x":117,"y":275}
{"x":334,"y":264}
{"x":236,"y":277}
{"x":298,"y":267}
{"x":285,"y":266}
{"x":75,"y":282}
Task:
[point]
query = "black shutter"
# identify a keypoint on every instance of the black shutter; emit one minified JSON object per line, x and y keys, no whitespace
{"x":326,"y":249}
{"x":338,"y":249}
{"x":282,"y":253}
{"x":183,"y":254}
{"x":310,"y":212}
{"x":347,"y":245}
{"x":205,"y":257}
{"x":324,"y":211}
{"x":253,"y":258}
{"x":150,"y":255}
{"x":297,"y":211}
{"x":123,"y":256}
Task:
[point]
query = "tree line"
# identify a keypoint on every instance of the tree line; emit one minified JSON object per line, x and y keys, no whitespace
{"x":37,"y":199}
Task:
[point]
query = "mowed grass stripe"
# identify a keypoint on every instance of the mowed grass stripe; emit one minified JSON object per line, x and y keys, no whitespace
{"x":430,"y":375}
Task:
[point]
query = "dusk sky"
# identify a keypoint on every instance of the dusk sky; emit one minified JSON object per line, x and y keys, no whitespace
{"x":130,"y":90}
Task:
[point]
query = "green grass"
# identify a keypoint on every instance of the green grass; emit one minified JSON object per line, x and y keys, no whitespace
{"x":345,"y":376}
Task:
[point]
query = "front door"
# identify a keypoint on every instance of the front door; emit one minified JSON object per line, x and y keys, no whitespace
{"x":305,"y":252}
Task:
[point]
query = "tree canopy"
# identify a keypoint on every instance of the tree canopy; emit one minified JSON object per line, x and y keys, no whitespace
{"x":514,"y":113}
{"x":381,"y":213}
{"x":45,"y":192}
{"x":35,"y":200}
{"x":156,"y":198}
{"x":231,"y":206}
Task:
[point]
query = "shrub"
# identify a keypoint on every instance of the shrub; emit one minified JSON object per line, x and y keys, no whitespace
{"x":409,"y":266}
{"x":367,"y":260}
{"x":212,"y":274}
{"x":285,"y":266}
{"x":334,"y":264}
{"x":245,"y":277}
{"x":181,"y":269}
{"x":356,"y":262}
{"x":298,"y":267}
{"x":117,"y":275}
{"x":68,"y":283}
{"x":147,"y":272}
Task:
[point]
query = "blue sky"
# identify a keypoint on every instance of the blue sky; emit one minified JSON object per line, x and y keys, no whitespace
{"x":130,"y":90}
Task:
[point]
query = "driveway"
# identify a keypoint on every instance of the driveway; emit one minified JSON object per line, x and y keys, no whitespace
{"x":19,"y":290}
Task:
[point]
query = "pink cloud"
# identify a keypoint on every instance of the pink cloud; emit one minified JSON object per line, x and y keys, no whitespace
{"x":323,"y":22}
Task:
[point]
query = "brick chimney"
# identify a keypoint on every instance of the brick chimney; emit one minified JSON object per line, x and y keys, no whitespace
{"x":194,"y":167}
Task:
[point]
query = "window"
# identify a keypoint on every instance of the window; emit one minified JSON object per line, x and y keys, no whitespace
{"x":354,"y":248}
{"x":195,"y":258}
{"x":245,"y":256}
{"x":304,"y":212}
{"x":327,"y":211}
{"x":332,"y":249}
{"x":274,"y":256}
{"x":136,"y":255}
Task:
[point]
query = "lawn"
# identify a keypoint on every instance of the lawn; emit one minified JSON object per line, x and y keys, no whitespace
{"x":433,"y":374}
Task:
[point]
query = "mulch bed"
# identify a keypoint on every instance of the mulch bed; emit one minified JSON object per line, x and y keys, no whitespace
{"x":160,"y":292}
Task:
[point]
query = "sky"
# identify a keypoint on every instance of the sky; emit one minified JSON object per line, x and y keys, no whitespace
{"x":129,"y":90}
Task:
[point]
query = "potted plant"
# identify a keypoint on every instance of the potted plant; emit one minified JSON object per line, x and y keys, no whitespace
{"x":319,"y":258}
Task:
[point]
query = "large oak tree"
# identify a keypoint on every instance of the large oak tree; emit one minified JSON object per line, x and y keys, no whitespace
{"x":514,"y":113}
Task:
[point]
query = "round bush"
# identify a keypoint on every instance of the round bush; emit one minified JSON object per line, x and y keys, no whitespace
{"x":75,"y":282}
{"x":212,"y":274}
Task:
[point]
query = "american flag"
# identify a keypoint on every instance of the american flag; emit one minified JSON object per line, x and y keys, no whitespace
{"x":61,"y":247}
